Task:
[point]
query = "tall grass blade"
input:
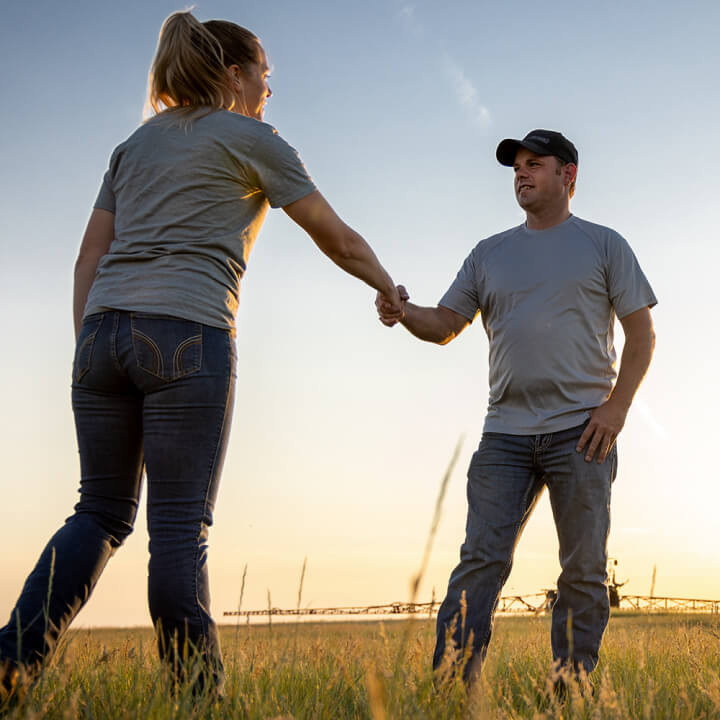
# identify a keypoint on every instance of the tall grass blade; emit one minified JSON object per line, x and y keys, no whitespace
{"x":652,"y":583}
{"x":239,"y":609}
{"x":435,"y":521}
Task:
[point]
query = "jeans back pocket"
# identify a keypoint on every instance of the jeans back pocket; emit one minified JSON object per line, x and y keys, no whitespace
{"x":167,"y":348}
{"x":85,"y":344}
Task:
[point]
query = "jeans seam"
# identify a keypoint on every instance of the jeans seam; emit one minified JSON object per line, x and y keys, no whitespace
{"x":211,"y":471}
{"x":113,"y":341}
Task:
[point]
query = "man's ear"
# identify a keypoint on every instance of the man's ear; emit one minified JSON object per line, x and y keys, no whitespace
{"x":570,"y":170}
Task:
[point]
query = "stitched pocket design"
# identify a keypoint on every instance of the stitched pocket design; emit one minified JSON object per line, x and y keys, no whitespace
{"x":614,"y":460}
{"x":167,"y":348}
{"x":85,"y":344}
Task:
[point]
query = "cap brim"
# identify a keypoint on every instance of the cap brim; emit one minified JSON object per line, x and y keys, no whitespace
{"x":507,"y":150}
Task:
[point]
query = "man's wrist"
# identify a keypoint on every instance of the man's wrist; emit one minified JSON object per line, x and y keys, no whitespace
{"x":621,"y":402}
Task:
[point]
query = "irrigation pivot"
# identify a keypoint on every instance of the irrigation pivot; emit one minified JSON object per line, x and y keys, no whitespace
{"x":537,"y":603}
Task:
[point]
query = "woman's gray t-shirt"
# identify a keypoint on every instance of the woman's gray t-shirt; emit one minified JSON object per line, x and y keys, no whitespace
{"x":188,"y":204}
{"x":548,"y":301}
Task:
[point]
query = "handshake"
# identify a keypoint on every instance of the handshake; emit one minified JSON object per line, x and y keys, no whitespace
{"x":389,"y":309}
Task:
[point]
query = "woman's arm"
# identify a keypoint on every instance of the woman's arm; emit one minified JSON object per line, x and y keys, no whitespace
{"x":100,"y":232}
{"x":346,"y":248}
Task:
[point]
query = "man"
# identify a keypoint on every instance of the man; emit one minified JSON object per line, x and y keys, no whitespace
{"x":548,"y":292}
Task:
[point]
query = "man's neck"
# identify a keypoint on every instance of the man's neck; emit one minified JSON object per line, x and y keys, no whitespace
{"x":546,"y":218}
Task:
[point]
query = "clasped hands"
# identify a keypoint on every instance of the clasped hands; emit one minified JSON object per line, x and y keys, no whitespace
{"x":389,"y":309}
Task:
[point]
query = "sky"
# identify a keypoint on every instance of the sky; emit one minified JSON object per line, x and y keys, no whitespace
{"x":343,"y":428}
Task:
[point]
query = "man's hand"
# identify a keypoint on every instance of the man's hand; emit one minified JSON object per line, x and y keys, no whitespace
{"x":390,"y":313}
{"x":606,"y":422}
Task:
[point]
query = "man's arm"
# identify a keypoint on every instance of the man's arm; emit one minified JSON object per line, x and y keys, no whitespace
{"x":607,"y":421}
{"x":99,"y":234}
{"x":433,"y":324}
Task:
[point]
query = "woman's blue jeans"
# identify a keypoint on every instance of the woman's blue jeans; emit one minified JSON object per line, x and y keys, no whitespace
{"x":505,"y":480}
{"x":155,"y":392}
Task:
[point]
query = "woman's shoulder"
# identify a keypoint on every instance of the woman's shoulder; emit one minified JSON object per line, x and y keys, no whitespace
{"x":242,"y":137}
{"x":243,"y":133}
{"x":234,"y":122}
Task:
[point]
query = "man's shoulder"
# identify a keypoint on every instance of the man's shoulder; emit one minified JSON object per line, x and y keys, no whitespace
{"x":503,"y":234}
{"x":594,"y":230}
{"x":488,"y":244}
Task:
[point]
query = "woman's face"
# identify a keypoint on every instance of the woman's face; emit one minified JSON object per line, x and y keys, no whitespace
{"x":250,"y":87}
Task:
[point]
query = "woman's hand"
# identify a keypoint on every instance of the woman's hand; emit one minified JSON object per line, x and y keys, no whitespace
{"x":391,"y":307}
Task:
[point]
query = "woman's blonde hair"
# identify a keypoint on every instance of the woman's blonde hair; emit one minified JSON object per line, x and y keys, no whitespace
{"x":188,"y":70}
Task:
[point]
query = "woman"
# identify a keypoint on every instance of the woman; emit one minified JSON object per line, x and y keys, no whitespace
{"x":156,"y":291}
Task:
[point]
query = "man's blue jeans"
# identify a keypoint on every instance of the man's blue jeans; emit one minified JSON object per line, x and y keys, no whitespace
{"x":506,"y":477}
{"x":147,"y":391}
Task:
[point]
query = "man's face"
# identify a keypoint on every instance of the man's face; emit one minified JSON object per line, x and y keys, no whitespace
{"x":540,"y":180}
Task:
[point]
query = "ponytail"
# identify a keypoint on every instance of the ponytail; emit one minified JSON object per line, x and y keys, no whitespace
{"x":188,"y":70}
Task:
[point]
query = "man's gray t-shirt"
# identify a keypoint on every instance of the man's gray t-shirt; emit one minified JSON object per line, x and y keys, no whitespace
{"x":548,"y":301}
{"x":189,"y":203}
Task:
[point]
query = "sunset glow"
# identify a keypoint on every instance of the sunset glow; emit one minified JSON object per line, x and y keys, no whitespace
{"x":343,"y":428}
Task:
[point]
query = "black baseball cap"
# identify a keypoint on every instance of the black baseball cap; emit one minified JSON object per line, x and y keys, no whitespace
{"x":542,"y":142}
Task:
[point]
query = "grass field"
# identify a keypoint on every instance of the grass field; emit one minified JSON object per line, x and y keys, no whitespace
{"x":652,"y":667}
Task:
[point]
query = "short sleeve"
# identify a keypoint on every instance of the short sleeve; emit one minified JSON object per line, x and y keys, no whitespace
{"x":106,"y":197}
{"x":463,"y":296}
{"x":280,"y":172}
{"x":628,"y":288}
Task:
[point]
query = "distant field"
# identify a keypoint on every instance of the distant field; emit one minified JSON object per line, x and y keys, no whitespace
{"x":653,"y":667}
